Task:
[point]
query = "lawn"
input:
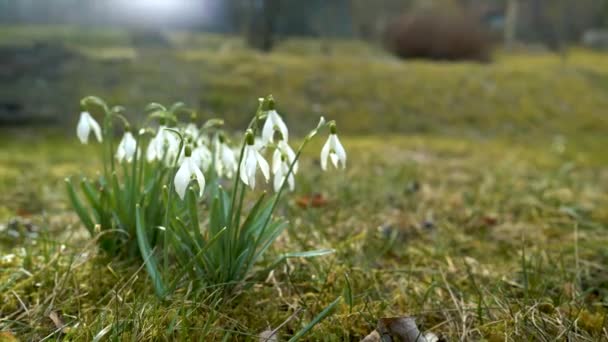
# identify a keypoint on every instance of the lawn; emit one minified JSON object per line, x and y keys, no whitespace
{"x":474,"y":198}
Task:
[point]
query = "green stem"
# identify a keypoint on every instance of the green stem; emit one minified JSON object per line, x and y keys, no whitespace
{"x":134,"y":189}
{"x":169,"y":199}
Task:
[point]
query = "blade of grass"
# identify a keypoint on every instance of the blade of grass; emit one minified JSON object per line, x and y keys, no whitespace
{"x":147,"y":254}
{"x":321,"y":316}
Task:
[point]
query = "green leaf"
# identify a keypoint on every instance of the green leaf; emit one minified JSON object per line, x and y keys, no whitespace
{"x":147,"y":254}
{"x":80,"y":210}
{"x":153,"y":107}
{"x":321,"y":316}
{"x":193,"y":211}
{"x":348,"y":293}
{"x":94,"y":105}
{"x":309,"y":254}
{"x":103,"y":332}
{"x":196,"y":257}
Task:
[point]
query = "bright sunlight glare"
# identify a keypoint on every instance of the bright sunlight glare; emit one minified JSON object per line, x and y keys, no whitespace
{"x":160,"y":10}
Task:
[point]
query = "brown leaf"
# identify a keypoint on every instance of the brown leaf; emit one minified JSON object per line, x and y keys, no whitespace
{"x":316,"y":200}
{"x":268,"y":336}
{"x":54,"y":316}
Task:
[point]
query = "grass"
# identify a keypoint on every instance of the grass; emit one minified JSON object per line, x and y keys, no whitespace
{"x":486,"y":221}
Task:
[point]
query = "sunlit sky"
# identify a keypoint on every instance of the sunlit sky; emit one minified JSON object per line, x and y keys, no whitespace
{"x":164,"y":10}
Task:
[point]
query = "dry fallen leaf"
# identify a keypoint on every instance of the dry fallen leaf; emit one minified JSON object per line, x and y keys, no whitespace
{"x":399,"y":329}
{"x":268,"y":336}
{"x":54,"y":316}
{"x":315,"y":201}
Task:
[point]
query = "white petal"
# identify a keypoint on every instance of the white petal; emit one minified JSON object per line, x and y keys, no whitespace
{"x":200,"y":178}
{"x":325,"y":154}
{"x":151,"y":150}
{"x":83,"y":128}
{"x":182,"y":179}
{"x":250,"y":166}
{"x":291,"y":182}
{"x":276,"y":161}
{"x":267,"y":130}
{"x":339,"y":149}
{"x":228,"y":158}
{"x":96,"y":128}
{"x":192,"y":131}
{"x":334,"y":159}
{"x":278,"y":180}
{"x":263,"y":165}
{"x":130,"y":145}
{"x":282,"y":126}
{"x":243,"y":169}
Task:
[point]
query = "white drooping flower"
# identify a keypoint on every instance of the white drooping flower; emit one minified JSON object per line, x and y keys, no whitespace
{"x":184,"y":175}
{"x":225,"y":163}
{"x":250,"y":161}
{"x":86,"y":124}
{"x":163,"y":144}
{"x":126,"y":148}
{"x":280,"y":173}
{"x":283,"y":150}
{"x":172,"y":150}
{"x":154,"y":150}
{"x":260,"y":144}
{"x":192,"y":131}
{"x":273,"y":123}
{"x":202,"y":157}
{"x":334,"y":150}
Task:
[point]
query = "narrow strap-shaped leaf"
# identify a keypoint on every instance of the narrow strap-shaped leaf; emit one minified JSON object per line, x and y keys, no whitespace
{"x":147,"y":254}
{"x":92,"y":195}
{"x":200,"y":253}
{"x":251,"y":219}
{"x":80,"y":210}
{"x":318,"y":318}
{"x":119,"y":202}
{"x":273,"y":233}
{"x":193,"y":214}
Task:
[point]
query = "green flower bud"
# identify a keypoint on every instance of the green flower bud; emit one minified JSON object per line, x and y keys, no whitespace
{"x":332,"y":128}
{"x":188,"y":151}
{"x":249,"y":137}
{"x":270,"y":102}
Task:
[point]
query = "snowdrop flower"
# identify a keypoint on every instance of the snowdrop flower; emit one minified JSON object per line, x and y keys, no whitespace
{"x":184,"y":175}
{"x":225,"y":163}
{"x":164,"y":144}
{"x":155,"y":147}
{"x":282,"y":151}
{"x":333,"y":149}
{"x":126,"y":147}
{"x":260,"y":144}
{"x":192,"y":131}
{"x":202,"y":157}
{"x":281,"y":172}
{"x":86,"y":123}
{"x":203,"y":139}
{"x":273,"y":123}
{"x":250,"y":161}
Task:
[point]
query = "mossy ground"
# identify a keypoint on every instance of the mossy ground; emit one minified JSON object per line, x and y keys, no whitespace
{"x":486,"y":221}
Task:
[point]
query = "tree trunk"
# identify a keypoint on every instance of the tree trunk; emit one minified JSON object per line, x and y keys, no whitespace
{"x":510,"y":29}
{"x":262,"y":26}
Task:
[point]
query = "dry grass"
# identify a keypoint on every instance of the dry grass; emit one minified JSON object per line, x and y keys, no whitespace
{"x":486,"y":221}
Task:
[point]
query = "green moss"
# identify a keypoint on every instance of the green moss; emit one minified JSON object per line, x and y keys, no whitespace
{"x":468,"y":222}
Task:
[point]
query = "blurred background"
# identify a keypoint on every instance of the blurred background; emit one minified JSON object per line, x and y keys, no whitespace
{"x":474,"y":67}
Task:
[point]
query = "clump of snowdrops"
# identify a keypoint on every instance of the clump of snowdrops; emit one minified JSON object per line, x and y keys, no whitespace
{"x":160,"y":194}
